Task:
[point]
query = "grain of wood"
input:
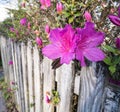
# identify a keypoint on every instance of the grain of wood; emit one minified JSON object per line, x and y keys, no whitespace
{"x":37,"y":81}
{"x":25,"y":75}
{"x":91,"y":89}
{"x":30,"y":76}
{"x":65,"y":87}
{"x":77,"y":85}
{"x":48,"y":83}
{"x":17,"y":76}
{"x":11,"y":67}
{"x":20,"y":77}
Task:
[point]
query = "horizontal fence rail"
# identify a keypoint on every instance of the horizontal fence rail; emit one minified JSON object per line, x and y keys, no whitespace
{"x":79,"y":91}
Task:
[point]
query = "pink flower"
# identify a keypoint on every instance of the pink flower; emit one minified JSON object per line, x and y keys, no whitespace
{"x":9,"y":89}
{"x":45,"y":4}
{"x":38,"y":41}
{"x":88,"y":40}
{"x":23,"y":21}
{"x":115,"y":19}
{"x":29,"y":25}
{"x":47,"y":97}
{"x":87,"y":16}
{"x":62,"y":45}
{"x":59,"y":7}
{"x":47,"y":29}
{"x":10,"y":62}
{"x":23,"y":4}
{"x":12,"y":82}
{"x":118,"y":43}
{"x":12,"y":29}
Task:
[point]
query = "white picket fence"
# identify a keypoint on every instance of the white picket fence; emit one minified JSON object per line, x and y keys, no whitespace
{"x":34,"y":77}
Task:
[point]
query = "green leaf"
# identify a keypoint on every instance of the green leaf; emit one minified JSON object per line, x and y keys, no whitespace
{"x":112,"y":69}
{"x":107,"y":60}
{"x":116,"y":60}
{"x":71,"y":19}
{"x":66,"y":14}
{"x":109,"y":48}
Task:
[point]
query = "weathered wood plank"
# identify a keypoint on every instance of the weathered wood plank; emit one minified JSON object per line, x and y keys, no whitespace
{"x":11,"y":66}
{"x":37,"y":81}
{"x":2,"y":46}
{"x":17,"y":76}
{"x":25,"y":75}
{"x":111,"y":99}
{"x":20,"y":76}
{"x":30,"y":76}
{"x":77,"y":85}
{"x":14,"y":72}
{"x":4,"y":57}
{"x":91,"y":89}
{"x":65,"y":87}
{"x":48,"y":83}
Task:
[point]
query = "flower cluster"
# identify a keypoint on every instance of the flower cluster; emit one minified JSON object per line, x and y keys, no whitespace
{"x":69,"y":44}
{"x":70,"y":30}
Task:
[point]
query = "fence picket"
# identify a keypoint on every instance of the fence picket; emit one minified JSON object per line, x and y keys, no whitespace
{"x":48,"y":83}
{"x":65,"y":87}
{"x":37,"y":80}
{"x":35,"y":77}
{"x":20,"y":76}
{"x":30,"y":76}
{"x":91,"y":89}
{"x":25,"y":75}
{"x":16,"y":64}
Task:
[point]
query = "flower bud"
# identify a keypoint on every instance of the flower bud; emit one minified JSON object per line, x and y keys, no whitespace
{"x":29,"y":25}
{"x":118,"y":43}
{"x":38,"y":41}
{"x":59,"y":7}
{"x":10,"y":62}
{"x":12,"y":29}
{"x":23,"y":21}
{"x":45,"y":4}
{"x":87,"y":16}
{"x":23,"y":4}
{"x":48,"y":99}
{"x":47,"y":29}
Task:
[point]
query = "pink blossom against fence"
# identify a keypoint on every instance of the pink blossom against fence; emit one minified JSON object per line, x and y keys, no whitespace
{"x":34,"y":77}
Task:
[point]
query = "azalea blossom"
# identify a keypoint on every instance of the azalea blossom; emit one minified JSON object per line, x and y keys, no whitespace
{"x":87,"y":16}
{"x":47,"y":29}
{"x":9,"y":89}
{"x":12,"y":82}
{"x":59,"y":7}
{"x":23,"y":4}
{"x":63,"y":44}
{"x":38,"y":41}
{"x":45,"y":4}
{"x":10,"y":62}
{"x":115,"y":19}
{"x":23,"y":21}
{"x":118,"y":43}
{"x":29,"y":25}
{"x":48,"y":97}
{"x":88,"y":40}
{"x":12,"y":29}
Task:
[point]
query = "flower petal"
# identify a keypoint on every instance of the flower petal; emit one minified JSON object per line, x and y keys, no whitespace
{"x":67,"y":57}
{"x":55,"y":35}
{"x":94,"y":54}
{"x":80,"y":57}
{"x":89,"y":37}
{"x":114,"y":19}
{"x":51,"y":51}
{"x":119,"y":11}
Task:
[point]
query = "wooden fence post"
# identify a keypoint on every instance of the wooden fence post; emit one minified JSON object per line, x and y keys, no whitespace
{"x":91,"y":88}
